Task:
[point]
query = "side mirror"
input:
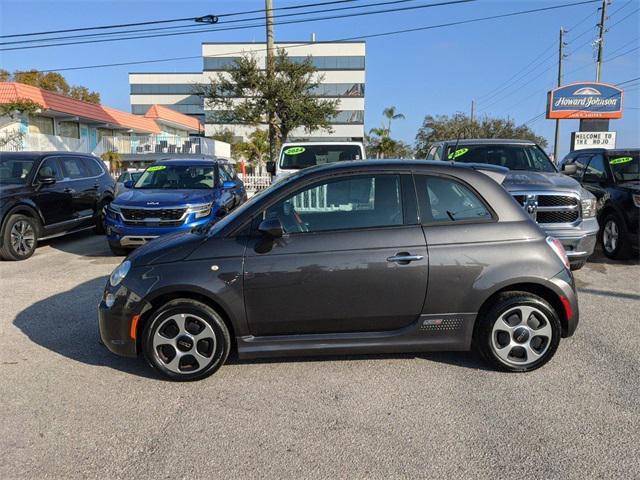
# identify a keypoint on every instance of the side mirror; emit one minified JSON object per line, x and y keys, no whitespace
{"x":569,"y":169}
{"x":128,"y":184}
{"x":46,"y":180}
{"x":271,"y":227}
{"x":228,"y":185}
{"x":271,"y":168}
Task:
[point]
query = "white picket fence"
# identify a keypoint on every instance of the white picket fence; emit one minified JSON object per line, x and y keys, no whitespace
{"x":254,"y":183}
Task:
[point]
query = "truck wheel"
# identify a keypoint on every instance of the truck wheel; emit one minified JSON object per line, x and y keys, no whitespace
{"x":20,"y":238}
{"x":614,"y":242}
{"x":578,"y":265}
{"x":519,"y":333}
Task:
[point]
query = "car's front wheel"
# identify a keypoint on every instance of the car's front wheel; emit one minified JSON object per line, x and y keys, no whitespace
{"x":20,"y":238}
{"x":614,"y":242}
{"x":520,"y":332}
{"x":186,"y":340}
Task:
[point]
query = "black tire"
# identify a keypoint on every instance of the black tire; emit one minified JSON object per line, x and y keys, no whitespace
{"x":118,"y":250}
{"x":27,"y":228}
{"x":484,"y":339}
{"x":578,"y":264}
{"x":192,"y":311}
{"x":622,"y":247}
{"x":100,"y":227}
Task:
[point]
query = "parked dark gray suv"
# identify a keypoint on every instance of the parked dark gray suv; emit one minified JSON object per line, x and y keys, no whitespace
{"x":557,"y":202}
{"x":353,"y":257}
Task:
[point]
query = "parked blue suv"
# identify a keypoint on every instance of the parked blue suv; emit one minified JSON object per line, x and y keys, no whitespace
{"x":171,"y":196}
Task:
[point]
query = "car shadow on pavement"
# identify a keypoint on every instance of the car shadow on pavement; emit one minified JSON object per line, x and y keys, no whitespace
{"x":85,"y":243}
{"x":67,"y":324}
{"x":598,"y":257}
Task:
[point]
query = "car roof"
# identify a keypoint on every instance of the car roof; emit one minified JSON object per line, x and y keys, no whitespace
{"x":188,"y":161}
{"x":365,"y":165}
{"x":38,"y":155}
{"x":488,"y":141}
{"x":612,"y":151}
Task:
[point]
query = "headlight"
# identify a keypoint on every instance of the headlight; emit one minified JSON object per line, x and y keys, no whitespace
{"x":636,"y":199}
{"x":119,"y":273}
{"x":203,"y":210}
{"x":588,"y":208}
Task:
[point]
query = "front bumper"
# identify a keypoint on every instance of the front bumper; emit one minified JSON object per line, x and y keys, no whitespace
{"x":565,"y":288}
{"x":128,"y":236}
{"x":115,"y":321}
{"x":579,"y":241}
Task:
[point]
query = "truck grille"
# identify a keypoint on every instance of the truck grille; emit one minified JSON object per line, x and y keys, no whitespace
{"x":550,"y":208}
{"x":162,"y":214}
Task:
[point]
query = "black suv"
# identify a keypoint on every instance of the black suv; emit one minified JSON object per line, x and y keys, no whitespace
{"x":613,"y":176}
{"x":47,"y":194}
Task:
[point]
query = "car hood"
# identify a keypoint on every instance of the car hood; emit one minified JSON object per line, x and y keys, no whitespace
{"x":162,"y":198}
{"x":518,"y":180}
{"x":172,"y":247}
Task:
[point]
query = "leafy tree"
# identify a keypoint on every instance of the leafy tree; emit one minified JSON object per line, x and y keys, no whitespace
{"x":380,"y":141}
{"x":51,"y":81}
{"x":443,"y":127}
{"x":289,"y":93}
{"x":256,"y":149}
{"x":17,"y":108}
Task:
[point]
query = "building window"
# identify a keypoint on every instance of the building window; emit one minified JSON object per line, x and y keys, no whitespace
{"x":220,"y":117}
{"x":355,"y":90}
{"x":348,"y":117}
{"x":39,"y":124}
{"x":164,"y":89}
{"x":219,"y":63}
{"x":69,"y":129}
{"x":333,"y":63}
{"x":186,"y":109}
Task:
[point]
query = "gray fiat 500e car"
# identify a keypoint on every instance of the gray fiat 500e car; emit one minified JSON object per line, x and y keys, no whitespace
{"x":354,"y":257}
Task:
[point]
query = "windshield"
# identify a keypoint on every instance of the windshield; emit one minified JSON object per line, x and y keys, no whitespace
{"x":514,"y":157}
{"x":177,"y":177}
{"x":295,"y":157}
{"x":625,"y":166}
{"x":15,"y":170}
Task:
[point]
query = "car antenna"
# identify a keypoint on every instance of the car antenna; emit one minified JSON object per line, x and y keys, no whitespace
{"x":455,"y":149}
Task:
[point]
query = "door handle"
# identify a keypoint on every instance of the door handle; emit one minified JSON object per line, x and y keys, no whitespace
{"x":404,"y":259}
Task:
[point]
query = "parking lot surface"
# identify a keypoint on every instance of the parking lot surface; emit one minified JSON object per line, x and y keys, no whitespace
{"x":71,"y":409}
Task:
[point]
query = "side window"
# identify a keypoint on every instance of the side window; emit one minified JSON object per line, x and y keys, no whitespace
{"x":224,"y":174}
{"x":91,"y":167}
{"x":357,"y":202}
{"x":72,"y":168}
{"x":50,"y":168}
{"x":430,"y":153}
{"x":123,"y":177}
{"x":230,"y":170}
{"x":581,"y":164}
{"x":437,"y":154}
{"x":595,"y":172}
{"x":446,"y":200}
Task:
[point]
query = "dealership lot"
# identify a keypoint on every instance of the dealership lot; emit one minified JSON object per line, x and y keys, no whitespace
{"x":71,"y":409}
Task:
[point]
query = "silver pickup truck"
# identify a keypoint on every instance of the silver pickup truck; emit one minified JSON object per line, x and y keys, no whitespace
{"x":554,"y":200}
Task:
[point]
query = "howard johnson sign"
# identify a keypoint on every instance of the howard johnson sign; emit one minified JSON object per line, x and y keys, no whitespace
{"x":585,"y":100}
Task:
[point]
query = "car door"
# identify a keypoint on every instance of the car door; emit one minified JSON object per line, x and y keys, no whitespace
{"x":80,"y":185}
{"x":53,"y":201}
{"x":352,"y":259}
{"x":596,"y":178}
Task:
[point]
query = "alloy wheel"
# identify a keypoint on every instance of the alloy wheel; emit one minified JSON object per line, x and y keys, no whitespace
{"x":521,"y":335}
{"x":23,"y":237}
{"x":184,"y":343}
{"x":610,"y":236}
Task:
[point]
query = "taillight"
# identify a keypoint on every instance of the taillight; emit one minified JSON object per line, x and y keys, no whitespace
{"x":559,"y":250}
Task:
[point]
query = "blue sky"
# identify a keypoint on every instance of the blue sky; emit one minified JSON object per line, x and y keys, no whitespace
{"x":429,"y":72}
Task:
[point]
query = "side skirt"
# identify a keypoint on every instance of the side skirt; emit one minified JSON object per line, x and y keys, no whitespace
{"x":429,"y":333}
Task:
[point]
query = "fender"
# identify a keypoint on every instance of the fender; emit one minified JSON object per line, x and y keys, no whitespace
{"x":23,"y":205}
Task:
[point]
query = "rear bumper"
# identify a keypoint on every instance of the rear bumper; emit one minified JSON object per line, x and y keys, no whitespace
{"x":578,"y":241}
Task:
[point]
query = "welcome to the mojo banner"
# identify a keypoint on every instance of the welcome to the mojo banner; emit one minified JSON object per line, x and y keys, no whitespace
{"x":585,"y":100}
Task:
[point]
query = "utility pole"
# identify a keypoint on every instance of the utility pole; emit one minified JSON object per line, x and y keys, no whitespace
{"x":270,"y":73}
{"x":556,"y":143}
{"x":473,"y":109}
{"x":603,"y":19}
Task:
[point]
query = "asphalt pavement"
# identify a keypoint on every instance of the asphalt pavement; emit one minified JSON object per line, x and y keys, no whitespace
{"x":70,"y":409}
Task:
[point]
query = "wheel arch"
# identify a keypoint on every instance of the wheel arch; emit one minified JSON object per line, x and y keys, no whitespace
{"x":542,"y":291}
{"x":161,"y":298}
{"x":22,"y":209}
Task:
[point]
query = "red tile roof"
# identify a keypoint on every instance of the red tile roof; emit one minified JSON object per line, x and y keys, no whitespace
{"x":11,"y":92}
{"x":164,"y":113}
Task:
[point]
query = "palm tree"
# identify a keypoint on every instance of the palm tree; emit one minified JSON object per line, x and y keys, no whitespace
{"x":391,"y":114}
{"x":256,"y":148}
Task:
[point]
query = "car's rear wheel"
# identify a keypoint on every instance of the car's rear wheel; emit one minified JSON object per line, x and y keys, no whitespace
{"x":100,"y":227}
{"x":520,"y":332}
{"x":186,"y":340}
{"x":614,"y":242}
{"x":20,"y":238}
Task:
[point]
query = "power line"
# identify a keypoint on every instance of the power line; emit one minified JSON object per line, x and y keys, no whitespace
{"x":621,"y":8}
{"x":361,"y":37}
{"x":260,"y":25}
{"x":624,"y":18}
{"x":200,"y":27}
{"x":154,"y":22}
